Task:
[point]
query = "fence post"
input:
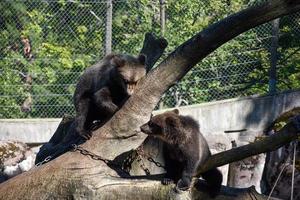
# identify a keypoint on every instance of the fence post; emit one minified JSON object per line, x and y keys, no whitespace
{"x":273,"y":56}
{"x":162,"y":16}
{"x":108,"y":27}
{"x":162,"y":13}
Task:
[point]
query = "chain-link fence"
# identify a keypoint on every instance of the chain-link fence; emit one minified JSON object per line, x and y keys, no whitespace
{"x":47,"y":44}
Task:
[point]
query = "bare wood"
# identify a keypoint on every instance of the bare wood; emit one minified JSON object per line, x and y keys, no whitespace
{"x":153,"y":48}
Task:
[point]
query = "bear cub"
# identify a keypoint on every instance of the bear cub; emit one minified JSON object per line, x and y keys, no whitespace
{"x":104,"y":87}
{"x":184,"y":148}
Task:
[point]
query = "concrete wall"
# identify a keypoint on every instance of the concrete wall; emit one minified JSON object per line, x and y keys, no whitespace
{"x":250,"y":113}
{"x":28,"y":130}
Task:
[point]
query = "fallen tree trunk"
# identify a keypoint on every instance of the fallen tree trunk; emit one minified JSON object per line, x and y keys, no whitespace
{"x":77,"y":176}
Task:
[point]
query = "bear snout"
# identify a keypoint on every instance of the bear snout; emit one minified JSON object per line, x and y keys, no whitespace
{"x":145,"y":129}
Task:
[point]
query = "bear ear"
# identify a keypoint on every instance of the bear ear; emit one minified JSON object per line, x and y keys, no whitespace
{"x":172,"y":121}
{"x":142,"y":59}
{"x":118,"y":61}
{"x":176,"y":111}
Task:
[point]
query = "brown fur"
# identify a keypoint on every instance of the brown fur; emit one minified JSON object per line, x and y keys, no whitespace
{"x":184,"y":149}
{"x":104,"y":88}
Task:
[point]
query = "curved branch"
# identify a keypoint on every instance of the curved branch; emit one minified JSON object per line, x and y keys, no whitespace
{"x":188,"y":54}
{"x":290,"y":132}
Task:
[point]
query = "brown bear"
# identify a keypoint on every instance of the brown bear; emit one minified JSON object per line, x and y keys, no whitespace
{"x":184,"y":149}
{"x":104,"y":87}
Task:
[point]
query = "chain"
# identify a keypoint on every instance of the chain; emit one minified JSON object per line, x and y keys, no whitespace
{"x":92,"y":155}
{"x":158,"y":164}
{"x":126,"y":165}
{"x":137,"y":154}
{"x":142,"y":165}
{"x":47,"y":159}
{"x":134,"y":155}
{"x":141,"y":152}
{"x":110,"y":163}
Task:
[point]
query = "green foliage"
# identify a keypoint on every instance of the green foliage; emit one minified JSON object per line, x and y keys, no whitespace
{"x":238,"y":68}
{"x":62,"y":46}
{"x":131,"y":20}
{"x":68,"y":36}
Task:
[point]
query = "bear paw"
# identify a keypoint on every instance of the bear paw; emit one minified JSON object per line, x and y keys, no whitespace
{"x":85,"y":134}
{"x":182,"y":185}
{"x":167,"y":181}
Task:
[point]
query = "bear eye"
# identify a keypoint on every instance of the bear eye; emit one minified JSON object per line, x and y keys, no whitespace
{"x":150,"y":123}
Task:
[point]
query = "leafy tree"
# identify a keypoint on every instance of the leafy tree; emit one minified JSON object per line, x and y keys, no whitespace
{"x":65,"y":37}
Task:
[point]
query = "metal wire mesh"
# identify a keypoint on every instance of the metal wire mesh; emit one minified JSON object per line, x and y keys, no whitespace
{"x":46,"y":45}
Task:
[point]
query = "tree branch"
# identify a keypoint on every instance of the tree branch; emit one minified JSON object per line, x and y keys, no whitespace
{"x":153,"y":48}
{"x":290,"y":132}
{"x":182,"y":59}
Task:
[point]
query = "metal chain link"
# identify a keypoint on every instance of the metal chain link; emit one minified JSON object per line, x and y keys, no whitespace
{"x":83,"y":151}
{"x":137,"y":154}
{"x":47,"y":159}
{"x":126,"y":165}
{"x":92,"y":155}
{"x":142,"y":165}
{"x":140,"y":151}
{"x":158,"y":164}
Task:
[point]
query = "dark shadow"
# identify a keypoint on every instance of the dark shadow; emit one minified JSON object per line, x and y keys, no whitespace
{"x":264,"y":110}
{"x":122,"y":165}
{"x":229,"y":192}
{"x":62,"y":141}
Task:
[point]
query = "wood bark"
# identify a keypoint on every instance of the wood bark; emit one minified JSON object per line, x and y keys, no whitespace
{"x":153,"y":48}
{"x":76,"y":176}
